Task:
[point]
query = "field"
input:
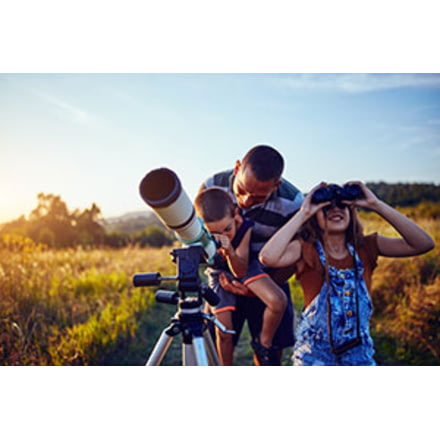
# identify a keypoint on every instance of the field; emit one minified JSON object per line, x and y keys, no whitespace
{"x":78,"y":307}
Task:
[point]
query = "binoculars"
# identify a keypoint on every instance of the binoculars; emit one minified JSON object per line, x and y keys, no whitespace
{"x":337,"y":194}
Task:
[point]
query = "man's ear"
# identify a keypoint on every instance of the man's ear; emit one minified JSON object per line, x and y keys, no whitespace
{"x":277,"y":185}
{"x":237,"y":167}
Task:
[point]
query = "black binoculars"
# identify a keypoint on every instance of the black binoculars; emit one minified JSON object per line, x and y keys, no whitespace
{"x":337,"y":194}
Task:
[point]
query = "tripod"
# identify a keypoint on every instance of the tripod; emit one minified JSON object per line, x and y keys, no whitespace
{"x":189,"y":321}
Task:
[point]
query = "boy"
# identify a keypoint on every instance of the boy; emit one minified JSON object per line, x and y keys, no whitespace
{"x":233,"y":232}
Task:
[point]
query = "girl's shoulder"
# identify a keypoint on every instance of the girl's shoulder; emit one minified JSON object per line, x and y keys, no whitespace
{"x":368,"y":252}
{"x":309,"y":256}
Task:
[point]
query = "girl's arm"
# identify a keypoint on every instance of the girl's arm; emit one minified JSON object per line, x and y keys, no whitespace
{"x":280,"y":251}
{"x":414,"y":240}
{"x":238,"y":258}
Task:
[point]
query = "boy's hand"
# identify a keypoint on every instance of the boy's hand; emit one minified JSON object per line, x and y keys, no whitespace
{"x":225,"y":243}
{"x":234,"y":286}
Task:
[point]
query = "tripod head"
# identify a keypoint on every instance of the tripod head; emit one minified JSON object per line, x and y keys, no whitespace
{"x":188,"y":261}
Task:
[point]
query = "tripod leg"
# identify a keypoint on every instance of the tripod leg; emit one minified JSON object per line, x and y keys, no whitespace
{"x":210,"y":347}
{"x":200,"y":351}
{"x":188,"y":355}
{"x":160,"y":349}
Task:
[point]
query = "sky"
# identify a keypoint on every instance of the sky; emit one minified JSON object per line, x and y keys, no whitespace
{"x":91,"y":138}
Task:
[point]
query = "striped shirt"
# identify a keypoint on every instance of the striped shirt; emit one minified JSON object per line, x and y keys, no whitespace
{"x":269,"y":216}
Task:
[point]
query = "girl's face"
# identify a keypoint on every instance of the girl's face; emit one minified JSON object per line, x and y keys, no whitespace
{"x":334,"y":219}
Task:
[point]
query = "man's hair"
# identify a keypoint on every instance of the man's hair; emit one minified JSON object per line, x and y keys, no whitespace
{"x":265,"y":162}
{"x":213,"y":204}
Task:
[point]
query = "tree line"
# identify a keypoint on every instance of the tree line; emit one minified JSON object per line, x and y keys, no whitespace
{"x":52,"y":224}
{"x":406,"y":194}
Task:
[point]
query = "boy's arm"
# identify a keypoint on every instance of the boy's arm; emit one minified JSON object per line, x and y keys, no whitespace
{"x":414,"y":240}
{"x":238,"y":258}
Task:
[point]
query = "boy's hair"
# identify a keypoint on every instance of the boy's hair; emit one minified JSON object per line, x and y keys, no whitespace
{"x":266,"y":163}
{"x":213,"y":204}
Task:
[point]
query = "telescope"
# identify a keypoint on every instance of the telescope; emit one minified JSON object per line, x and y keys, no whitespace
{"x":162,"y":191}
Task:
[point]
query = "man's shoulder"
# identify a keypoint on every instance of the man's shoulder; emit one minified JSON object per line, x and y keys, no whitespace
{"x":288,"y":191}
{"x":221,"y":179}
{"x":287,"y":199}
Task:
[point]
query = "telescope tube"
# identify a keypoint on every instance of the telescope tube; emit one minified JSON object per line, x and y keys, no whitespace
{"x":162,"y":191}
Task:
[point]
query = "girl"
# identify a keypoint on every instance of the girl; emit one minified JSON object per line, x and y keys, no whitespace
{"x":334,"y":262}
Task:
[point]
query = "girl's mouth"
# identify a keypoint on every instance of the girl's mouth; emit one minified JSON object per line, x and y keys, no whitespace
{"x":335,"y":216}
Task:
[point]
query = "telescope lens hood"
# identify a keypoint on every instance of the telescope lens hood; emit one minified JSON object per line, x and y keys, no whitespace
{"x":160,"y":188}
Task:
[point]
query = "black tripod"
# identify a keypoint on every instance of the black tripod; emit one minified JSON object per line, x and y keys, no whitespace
{"x":190,"y":321}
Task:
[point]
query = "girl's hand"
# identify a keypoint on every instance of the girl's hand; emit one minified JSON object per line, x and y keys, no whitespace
{"x":369,"y":200}
{"x":308,"y":208}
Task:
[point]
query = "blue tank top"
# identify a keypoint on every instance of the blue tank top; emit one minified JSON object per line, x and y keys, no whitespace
{"x":239,"y":235}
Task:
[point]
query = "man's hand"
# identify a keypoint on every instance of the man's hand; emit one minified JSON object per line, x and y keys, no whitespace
{"x":234,"y":286}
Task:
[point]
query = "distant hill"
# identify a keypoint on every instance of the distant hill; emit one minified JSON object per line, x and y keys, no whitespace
{"x":131,"y":222}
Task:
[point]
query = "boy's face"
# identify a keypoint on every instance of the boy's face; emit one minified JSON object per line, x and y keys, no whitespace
{"x":226,"y":226}
{"x":248,"y":190}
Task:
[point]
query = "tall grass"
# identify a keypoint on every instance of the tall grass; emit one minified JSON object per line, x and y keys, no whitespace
{"x":406,"y":298}
{"x":78,"y":307}
{"x":72,"y":306}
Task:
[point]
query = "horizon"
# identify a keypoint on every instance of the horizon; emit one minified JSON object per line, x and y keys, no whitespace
{"x":90,"y":138}
{"x":147,"y":211}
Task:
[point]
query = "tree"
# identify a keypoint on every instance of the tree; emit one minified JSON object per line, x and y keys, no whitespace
{"x":53,"y":224}
{"x":52,"y":216}
{"x":154,"y":236}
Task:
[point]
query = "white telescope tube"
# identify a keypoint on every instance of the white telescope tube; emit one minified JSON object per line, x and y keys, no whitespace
{"x":161,"y":190}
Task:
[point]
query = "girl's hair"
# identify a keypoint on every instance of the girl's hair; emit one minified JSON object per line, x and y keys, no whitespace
{"x":311,"y":231}
{"x":213,"y":204}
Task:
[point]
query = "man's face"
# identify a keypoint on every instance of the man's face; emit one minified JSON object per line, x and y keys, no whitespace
{"x":248,"y":190}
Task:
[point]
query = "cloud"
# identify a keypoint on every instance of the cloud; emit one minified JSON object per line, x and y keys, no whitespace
{"x":361,"y":82}
{"x":73,"y":112}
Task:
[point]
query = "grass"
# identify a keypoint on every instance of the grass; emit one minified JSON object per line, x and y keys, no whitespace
{"x":78,"y":307}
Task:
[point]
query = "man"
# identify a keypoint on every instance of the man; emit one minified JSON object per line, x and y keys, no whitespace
{"x":269,"y":201}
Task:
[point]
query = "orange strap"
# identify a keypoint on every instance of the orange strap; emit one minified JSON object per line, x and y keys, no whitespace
{"x":225,"y":309}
